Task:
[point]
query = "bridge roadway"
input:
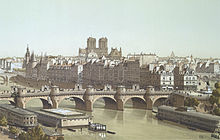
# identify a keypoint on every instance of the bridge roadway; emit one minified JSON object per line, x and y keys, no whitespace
{"x":84,"y":99}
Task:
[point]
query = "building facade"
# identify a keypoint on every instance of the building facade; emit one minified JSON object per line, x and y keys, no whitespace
{"x":63,"y":118}
{"x":18,"y":116}
{"x":104,"y":72}
{"x":195,"y":119}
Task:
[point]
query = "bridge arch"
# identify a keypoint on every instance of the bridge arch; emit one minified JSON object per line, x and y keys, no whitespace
{"x":46,"y":104}
{"x":109,"y":102}
{"x":159,"y":101}
{"x":137,"y":102}
{"x":4,"y":80}
{"x":7,"y":101}
{"x":79,"y":102}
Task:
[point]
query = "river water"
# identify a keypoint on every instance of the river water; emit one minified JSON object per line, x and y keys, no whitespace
{"x":130,"y":124}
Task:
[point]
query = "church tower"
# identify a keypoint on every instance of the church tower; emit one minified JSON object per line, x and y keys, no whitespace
{"x":26,"y":58}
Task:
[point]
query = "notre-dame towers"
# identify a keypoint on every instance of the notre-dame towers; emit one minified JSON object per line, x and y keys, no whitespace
{"x":102,"y":50}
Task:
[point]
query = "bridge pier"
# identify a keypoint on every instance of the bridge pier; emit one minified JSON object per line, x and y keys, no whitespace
{"x":118,"y":97}
{"x":88,"y":98}
{"x":46,"y":104}
{"x":19,"y":101}
{"x":53,"y":93}
{"x":80,"y":105}
{"x":149,"y":104}
{"x":88,"y":106}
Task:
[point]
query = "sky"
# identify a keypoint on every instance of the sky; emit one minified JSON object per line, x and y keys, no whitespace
{"x":61,"y":27}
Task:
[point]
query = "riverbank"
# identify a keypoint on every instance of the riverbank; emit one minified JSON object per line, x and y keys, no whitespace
{"x":4,"y":137}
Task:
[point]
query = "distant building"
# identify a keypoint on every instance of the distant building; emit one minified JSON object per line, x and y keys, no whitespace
{"x":145,"y":59}
{"x":167,"y":80}
{"x":190,"y":80}
{"x":63,"y":73}
{"x":149,"y":78}
{"x":115,"y":54}
{"x":208,"y":67}
{"x":185,"y":79}
{"x":31,"y":69}
{"x":103,"y":72}
{"x":26,"y":58}
{"x":91,"y":51}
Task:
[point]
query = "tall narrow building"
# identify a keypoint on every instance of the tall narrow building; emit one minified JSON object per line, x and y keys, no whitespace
{"x":26,"y":58}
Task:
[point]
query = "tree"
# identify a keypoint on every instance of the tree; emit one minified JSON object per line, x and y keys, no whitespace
{"x":3,"y":121}
{"x":215,"y":99}
{"x":35,"y":133}
{"x":13,"y":130}
{"x":191,"y":102}
{"x":22,"y":136}
{"x":217,"y":111}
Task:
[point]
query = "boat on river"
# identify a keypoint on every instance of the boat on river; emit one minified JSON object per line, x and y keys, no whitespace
{"x":97,"y":127}
{"x":110,"y":132}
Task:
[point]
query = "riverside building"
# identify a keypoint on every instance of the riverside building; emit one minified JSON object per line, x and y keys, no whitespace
{"x":63,"y":118}
{"x":195,"y":119}
{"x":17,"y":116}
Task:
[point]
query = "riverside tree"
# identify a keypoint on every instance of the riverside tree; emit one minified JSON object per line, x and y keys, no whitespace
{"x":215,"y":99}
{"x":191,"y":102}
{"x":13,"y":130}
{"x":35,"y":133}
{"x":3,"y":121}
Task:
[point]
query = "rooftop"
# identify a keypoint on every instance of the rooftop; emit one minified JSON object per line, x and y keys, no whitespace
{"x":63,"y":112}
{"x":16,"y":109}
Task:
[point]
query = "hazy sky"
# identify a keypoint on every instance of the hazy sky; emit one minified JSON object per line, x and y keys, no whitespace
{"x":149,"y":26}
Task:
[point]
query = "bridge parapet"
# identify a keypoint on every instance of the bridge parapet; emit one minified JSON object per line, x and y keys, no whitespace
{"x":130,"y":92}
{"x":70,"y":90}
{"x":150,"y":91}
{"x":35,"y":94}
{"x":103,"y":92}
{"x":161,"y":92}
{"x":5,"y":92}
{"x":61,"y":93}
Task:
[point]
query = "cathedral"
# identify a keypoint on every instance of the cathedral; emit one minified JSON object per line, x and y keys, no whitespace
{"x":91,"y":51}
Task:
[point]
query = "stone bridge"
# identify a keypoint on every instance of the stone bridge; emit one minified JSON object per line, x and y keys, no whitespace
{"x":5,"y":78}
{"x":84,"y":99}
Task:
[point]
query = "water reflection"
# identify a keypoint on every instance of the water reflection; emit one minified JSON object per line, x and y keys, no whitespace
{"x":120,"y":116}
{"x":110,"y":113}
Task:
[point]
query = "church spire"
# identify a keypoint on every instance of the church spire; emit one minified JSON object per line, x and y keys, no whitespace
{"x":172,"y":55}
